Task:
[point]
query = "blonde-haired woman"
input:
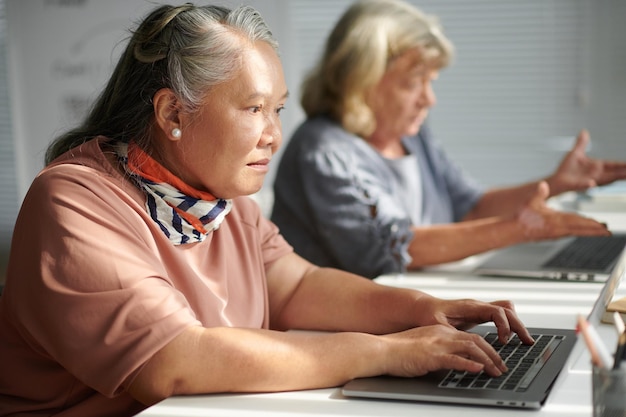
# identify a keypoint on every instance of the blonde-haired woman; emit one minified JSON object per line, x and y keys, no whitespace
{"x":362,"y":184}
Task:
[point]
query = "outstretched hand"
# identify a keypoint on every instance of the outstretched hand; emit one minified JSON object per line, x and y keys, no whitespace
{"x":539,"y":222}
{"x":577,"y":171}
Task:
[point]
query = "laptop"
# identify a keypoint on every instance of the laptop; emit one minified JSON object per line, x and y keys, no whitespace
{"x":572,"y":259}
{"x":541,"y":363}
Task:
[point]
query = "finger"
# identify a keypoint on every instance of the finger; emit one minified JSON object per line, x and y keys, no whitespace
{"x":513,"y":324}
{"x":541,"y":193}
{"x":460,"y":363}
{"x":543,"y":189}
{"x":583,"y":226}
{"x":615,"y":166}
{"x":581,"y":142}
{"x":501,"y":320}
{"x":479,"y":350}
{"x":612,"y":171}
{"x":507,"y":304}
{"x":591,"y":183}
{"x":518,"y":327}
{"x":558,"y":223}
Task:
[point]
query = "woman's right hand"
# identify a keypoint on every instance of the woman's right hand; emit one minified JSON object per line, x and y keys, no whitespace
{"x":418,"y":351}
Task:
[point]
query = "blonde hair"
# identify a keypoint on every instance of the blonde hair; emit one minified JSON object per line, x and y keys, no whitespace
{"x":185,"y":48}
{"x":367,"y":37}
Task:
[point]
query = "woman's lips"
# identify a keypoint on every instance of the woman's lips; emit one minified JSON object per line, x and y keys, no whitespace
{"x":261,"y":164}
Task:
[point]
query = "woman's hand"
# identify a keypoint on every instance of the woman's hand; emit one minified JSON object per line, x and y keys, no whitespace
{"x":538,"y":222}
{"x":467,"y":313}
{"x":578,"y":172}
{"x":421,"y":350}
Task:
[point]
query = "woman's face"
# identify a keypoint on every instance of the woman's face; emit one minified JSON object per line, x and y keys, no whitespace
{"x":401,"y":99}
{"x":227,"y":146}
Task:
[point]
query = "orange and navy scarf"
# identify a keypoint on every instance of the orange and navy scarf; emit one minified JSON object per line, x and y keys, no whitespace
{"x":183,"y":213}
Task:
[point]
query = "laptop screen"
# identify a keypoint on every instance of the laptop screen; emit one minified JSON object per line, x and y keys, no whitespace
{"x":608,"y":291}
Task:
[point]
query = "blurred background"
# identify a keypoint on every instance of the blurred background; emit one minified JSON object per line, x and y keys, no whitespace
{"x":527,"y":76}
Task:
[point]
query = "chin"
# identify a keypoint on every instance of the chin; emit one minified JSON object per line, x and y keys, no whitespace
{"x":242,"y":187}
{"x":414,"y":129}
{"x":251,"y":190}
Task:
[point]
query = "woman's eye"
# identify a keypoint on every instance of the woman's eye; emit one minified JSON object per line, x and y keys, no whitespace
{"x":256,"y":109}
{"x":280,"y":109}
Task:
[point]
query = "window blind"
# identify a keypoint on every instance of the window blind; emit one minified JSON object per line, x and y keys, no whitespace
{"x":8,"y":183}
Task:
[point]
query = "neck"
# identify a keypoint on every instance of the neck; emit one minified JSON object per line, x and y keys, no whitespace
{"x":389,"y":147}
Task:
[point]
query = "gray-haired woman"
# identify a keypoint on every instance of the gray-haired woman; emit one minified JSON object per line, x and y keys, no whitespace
{"x":140,"y":269}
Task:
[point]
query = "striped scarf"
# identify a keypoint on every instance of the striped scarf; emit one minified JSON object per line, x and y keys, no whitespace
{"x":183,"y":213}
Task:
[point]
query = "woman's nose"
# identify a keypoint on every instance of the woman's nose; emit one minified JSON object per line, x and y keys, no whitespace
{"x":428,"y":97}
{"x":272,"y":135}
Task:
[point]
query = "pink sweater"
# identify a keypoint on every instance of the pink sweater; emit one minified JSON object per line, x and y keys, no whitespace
{"x":94,"y":288}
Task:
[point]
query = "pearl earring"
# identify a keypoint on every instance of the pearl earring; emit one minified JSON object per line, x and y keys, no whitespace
{"x":177,"y":133}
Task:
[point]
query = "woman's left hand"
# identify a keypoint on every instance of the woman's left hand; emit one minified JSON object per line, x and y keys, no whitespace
{"x":577,"y":171}
{"x":465,"y":314}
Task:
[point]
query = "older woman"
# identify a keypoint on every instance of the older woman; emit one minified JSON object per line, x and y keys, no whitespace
{"x":362,"y":184}
{"x":140,"y":269}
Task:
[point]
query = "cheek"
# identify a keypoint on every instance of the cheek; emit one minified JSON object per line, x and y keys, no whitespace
{"x":199,"y":148}
{"x":245,"y":139}
{"x":398,"y":103}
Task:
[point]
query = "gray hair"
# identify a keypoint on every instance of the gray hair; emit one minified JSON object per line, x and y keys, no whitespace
{"x":188,"y":49}
{"x":367,"y":37}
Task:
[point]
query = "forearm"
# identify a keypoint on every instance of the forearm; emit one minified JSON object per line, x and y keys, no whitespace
{"x":503,"y":201}
{"x":215,"y":360}
{"x":333,"y":300}
{"x":433,"y":245}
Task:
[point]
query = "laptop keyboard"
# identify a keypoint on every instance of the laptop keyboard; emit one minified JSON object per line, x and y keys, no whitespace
{"x":593,"y":253}
{"x":524,"y":363}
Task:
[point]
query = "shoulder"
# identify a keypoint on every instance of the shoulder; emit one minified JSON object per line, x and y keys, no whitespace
{"x":319,"y":125}
{"x":83,"y":175}
{"x":246,"y":215}
{"x":321,"y":141}
{"x":322,"y":134}
{"x":245,"y":210}
{"x":87,"y":162}
{"x":89,"y":154}
{"x":248,"y":228}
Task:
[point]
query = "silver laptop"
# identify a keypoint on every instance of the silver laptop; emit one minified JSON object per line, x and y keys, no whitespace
{"x":526,"y":384}
{"x":572,"y":259}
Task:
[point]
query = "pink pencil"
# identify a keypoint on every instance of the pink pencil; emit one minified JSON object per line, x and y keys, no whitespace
{"x":598,"y":357}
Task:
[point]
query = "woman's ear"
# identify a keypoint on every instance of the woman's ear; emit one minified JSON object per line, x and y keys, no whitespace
{"x":166,"y":113}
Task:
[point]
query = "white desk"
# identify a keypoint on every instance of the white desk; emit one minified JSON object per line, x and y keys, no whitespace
{"x":538,"y":303}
